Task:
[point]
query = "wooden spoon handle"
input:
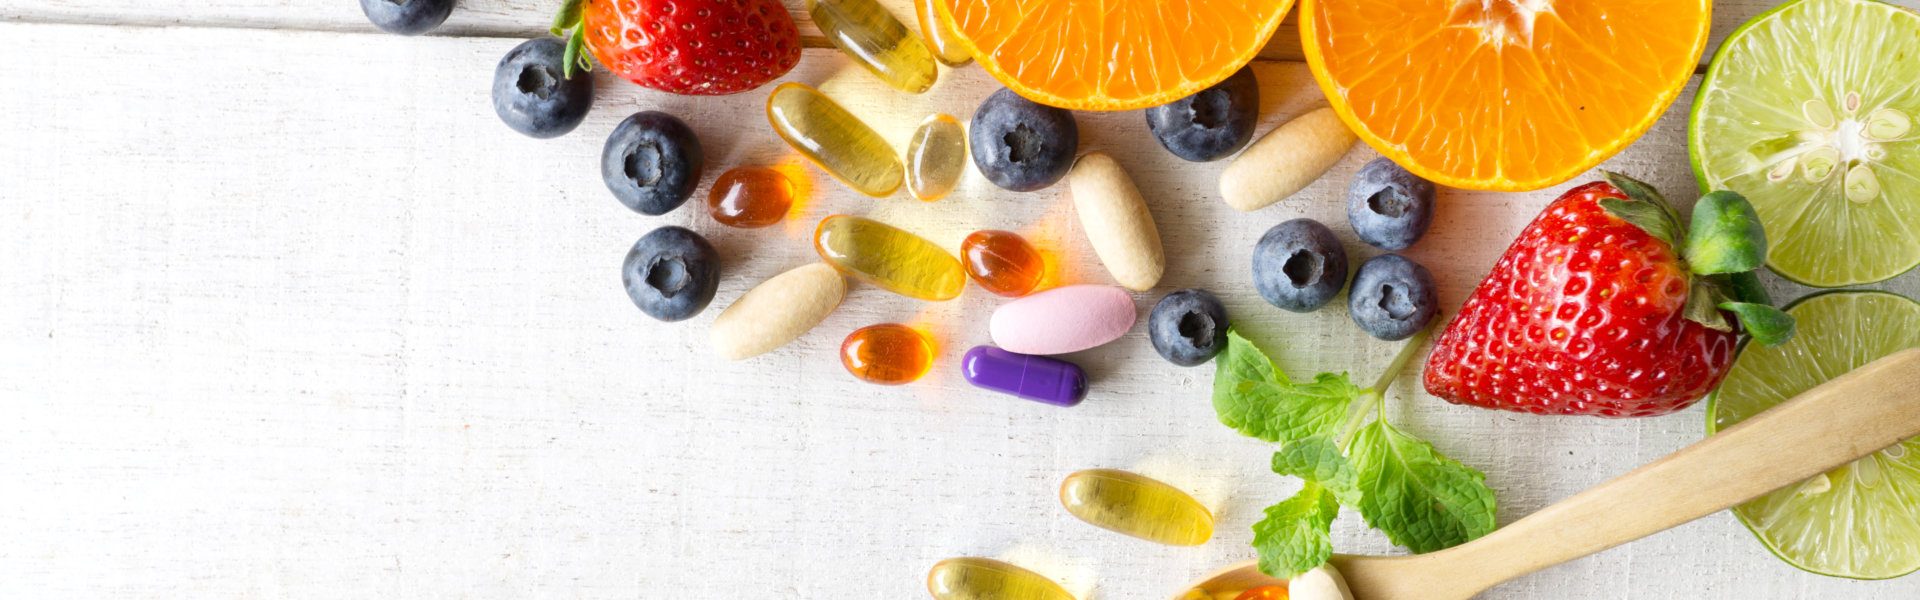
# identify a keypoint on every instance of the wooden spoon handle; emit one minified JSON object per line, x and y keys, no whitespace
{"x":1856,"y":414}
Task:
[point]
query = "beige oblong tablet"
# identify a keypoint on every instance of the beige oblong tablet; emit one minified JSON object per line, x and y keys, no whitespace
{"x":777,"y":311}
{"x":1286,"y":160}
{"x":1116,"y":220}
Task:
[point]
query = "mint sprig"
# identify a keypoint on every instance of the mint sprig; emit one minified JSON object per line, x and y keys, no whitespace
{"x":1334,"y":436}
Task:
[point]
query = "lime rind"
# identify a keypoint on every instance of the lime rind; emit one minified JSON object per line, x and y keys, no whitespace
{"x":1808,"y":111}
{"x":1862,"y":520}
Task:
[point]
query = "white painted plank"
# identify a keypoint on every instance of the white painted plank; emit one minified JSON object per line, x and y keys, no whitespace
{"x":519,"y":18}
{"x":308,"y":322}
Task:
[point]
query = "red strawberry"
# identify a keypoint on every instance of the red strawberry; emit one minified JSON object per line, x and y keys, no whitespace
{"x":696,"y":47}
{"x":1588,"y":313}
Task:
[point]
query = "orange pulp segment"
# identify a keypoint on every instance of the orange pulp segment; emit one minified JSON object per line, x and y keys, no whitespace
{"x":1506,"y":95}
{"x":1112,"y":54}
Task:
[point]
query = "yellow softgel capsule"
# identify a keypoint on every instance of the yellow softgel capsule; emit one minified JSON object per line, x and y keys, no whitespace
{"x":835,"y":140}
{"x":941,"y":37}
{"x":936,"y":157}
{"x":889,"y":257}
{"x":874,"y":38}
{"x":1137,"y":506}
{"x":974,"y":578}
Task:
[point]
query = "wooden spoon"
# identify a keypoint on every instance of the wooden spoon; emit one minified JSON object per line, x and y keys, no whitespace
{"x":1854,"y":415}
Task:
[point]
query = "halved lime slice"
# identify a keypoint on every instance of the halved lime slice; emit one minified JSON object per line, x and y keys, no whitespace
{"x":1861,"y":520}
{"x":1808,"y":110}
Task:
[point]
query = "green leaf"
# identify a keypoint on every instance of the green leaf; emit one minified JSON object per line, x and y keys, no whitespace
{"x":577,"y":54}
{"x":1639,"y":191}
{"x":1768,"y":325}
{"x":567,"y":18}
{"x":1419,"y":498}
{"x":1646,"y":216}
{"x":1703,"y":305}
{"x":1259,"y":401}
{"x":1726,"y":236}
{"x":1746,"y":287}
{"x":1293,"y":537}
{"x":1318,"y":460}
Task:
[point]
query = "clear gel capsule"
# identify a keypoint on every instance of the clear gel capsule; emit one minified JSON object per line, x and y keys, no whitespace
{"x":1037,"y":378}
{"x":889,"y":257}
{"x":835,"y":140}
{"x":973,"y":578}
{"x":940,"y":35}
{"x":874,"y":38}
{"x":1137,"y":506}
{"x":936,"y":157}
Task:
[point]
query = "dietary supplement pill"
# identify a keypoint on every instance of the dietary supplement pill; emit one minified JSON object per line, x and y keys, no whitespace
{"x":1286,"y":160}
{"x":1062,"y":319}
{"x":887,"y":354}
{"x":750,"y":197}
{"x":889,"y":257}
{"x":1002,"y":262}
{"x":777,"y":311}
{"x":1116,"y":220}
{"x":1037,"y":378}
{"x":936,"y":157}
{"x":872,"y":37}
{"x":1137,"y":506}
{"x":834,"y":140}
{"x":972,"y":578}
{"x":941,"y":38}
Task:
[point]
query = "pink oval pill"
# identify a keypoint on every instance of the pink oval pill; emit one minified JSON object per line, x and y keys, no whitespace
{"x":1062,"y":320}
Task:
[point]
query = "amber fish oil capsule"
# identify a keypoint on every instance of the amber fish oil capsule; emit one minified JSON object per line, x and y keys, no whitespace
{"x":973,"y":578}
{"x":936,"y":157}
{"x":889,"y":257}
{"x":887,"y":354}
{"x":834,"y":140}
{"x":1002,"y":262}
{"x":750,"y":197}
{"x":940,"y":35}
{"x":874,"y":38}
{"x":1137,"y":506}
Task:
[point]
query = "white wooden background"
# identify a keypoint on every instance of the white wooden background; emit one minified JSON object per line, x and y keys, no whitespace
{"x":285,"y":312}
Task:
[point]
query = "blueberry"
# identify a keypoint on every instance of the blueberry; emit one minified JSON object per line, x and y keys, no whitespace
{"x":1389,"y":207}
{"x":651,"y":162}
{"x":1188,"y":327}
{"x":531,"y":93}
{"x":1213,"y":122}
{"x":1022,"y":145}
{"x":1392,"y":298}
{"x":671,"y":273}
{"x":1299,"y":266}
{"x":407,"y":17}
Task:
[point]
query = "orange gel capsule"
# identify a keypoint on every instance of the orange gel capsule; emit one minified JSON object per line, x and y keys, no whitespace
{"x":887,"y":354}
{"x":750,"y":197}
{"x":1265,"y":592}
{"x":1002,"y":262}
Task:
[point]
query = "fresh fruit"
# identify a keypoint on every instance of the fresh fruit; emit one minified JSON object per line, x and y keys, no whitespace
{"x":1607,"y":306}
{"x":1502,"y":94}
{"x":1389,"y":207}
{"x":696,"y":47}
{"x":1021,"y":145}
{"x":1111,"y":54}
{"x":1188,"y":327}
{"x":407,"y":17}
{"x":1809,"y":112}
{"x":651,"y":162}
{"x":1392,"y":297}
{"x":1334,"y":436}
{"x":1299,"y":265}
{"x":671,"y":273}
{"x":532,"y":93}
{"x":1858,"y":520}
{"x":1212,"y":123}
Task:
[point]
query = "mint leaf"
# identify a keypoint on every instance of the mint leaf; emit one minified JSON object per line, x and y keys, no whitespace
{"x":1259,"y":401}
{"x":1318,"y":460}
{"x":1419,"y":498}
{"x":1293,"y":537}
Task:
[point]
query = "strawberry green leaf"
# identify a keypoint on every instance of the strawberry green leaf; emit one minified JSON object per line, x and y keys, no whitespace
{"x":1726,"y":236}
{"x":576,"y":54}
{"x":1703,"y":305}
{"x":1640,"y":191}
{"x":1318,"y":460}
{"x":1293,"y":537}
{"x":1746,"y":287}
{"x":1419,"y":498}
{"x":1254,"y":398}
{"x":567,"y":18}
{"x":1768,"y":325}
{"x":1646,"y":216}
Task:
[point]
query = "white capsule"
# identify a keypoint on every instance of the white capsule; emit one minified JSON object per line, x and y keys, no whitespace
{"x":1286,"y":160}
{"x":1116,"y":220}
{"x":777,"y":311}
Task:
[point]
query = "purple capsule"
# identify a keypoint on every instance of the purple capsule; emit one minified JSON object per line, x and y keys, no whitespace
{"x":1035,"y":378}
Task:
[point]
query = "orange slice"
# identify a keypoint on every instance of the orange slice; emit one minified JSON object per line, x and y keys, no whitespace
{"x":1112,"y":54}
{"x":1505,"y":95}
